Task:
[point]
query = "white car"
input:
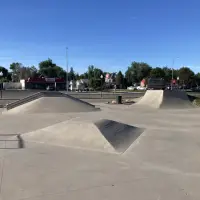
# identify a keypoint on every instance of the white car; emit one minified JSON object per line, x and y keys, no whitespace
{"x":131,"y":88}
{"x":141,"y":88}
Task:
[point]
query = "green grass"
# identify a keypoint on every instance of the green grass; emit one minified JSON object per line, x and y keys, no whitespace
{"x":197,"y":102}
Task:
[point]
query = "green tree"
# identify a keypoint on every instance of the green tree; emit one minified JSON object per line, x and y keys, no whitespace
{"x":4,"y":75}
{"x":120,"y":80}
{"x":90,"y":72}
{"x":186,"y":75}
{"x":168,"y":73}
{"x":94,"y":76}
{"x":97,"y":73}
{"x":15,"y":70}
{"x":4,"y":72}
{"x":94,"y":72}
{"x":49,"y":69}
{"x":77,"y":76}
{"x":136,"y":72}
{"x":21,"y":72}
{"x":95,"y":83}
{"x":71,"y":75}
{"x":15,"y":67}
{"x":157,"y":72}
{"x":33,"y":71}
{"x":84,"y":75}
{"x":197,"y":79}
{"x":27,"y":72}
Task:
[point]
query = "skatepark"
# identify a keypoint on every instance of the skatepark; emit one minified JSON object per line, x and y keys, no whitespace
{"x":70,"y":149}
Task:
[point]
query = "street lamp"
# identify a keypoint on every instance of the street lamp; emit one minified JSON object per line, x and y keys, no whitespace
{"x":1,"y":74}
{"x":178,"y":81}
{"x":101,"y":84}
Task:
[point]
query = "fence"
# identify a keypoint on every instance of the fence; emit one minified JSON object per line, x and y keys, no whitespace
{"x":11,"y":85}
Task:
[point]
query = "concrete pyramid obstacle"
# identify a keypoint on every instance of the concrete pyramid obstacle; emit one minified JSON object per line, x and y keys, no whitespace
{"x":103,"y":135}
{"x":166,"y":99}
{"x":49,"y":102}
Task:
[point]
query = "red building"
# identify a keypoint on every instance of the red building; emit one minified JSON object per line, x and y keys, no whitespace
{"x":43,"y":83}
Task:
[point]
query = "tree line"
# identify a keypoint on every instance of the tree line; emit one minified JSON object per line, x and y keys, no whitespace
{"x":134,"y":74}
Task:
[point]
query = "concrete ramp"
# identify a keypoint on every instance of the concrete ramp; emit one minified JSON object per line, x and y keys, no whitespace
{"x":104,"y":135}
{"x":166,"y":99}
{"x":152,"y":98}
{"x":49,"y":102}
{"x":176,"y":100}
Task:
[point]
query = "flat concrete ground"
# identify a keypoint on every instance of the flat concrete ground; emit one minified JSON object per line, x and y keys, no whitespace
{"x":162,"y":164}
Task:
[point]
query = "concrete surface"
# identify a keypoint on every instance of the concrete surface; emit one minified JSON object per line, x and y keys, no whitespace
{"x":162,"y":164}
{"x":166,"y":99}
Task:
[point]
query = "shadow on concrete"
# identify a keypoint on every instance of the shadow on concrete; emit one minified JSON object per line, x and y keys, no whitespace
{"x":119,"y":135}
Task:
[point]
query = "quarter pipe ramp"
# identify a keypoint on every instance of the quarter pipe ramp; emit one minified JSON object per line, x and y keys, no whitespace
{"x":166,"y":99}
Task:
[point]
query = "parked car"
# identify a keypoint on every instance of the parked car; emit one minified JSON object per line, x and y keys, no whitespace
{"x":156,"y":84}
{"x":50,"y":88}
{"x":131,"y":88}
{"x":141,"y":88}
{"x":86,"y":89}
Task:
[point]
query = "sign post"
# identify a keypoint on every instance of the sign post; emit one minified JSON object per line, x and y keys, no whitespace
{"x":1,"y":74}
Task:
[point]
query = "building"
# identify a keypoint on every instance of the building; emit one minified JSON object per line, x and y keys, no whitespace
{"x":110,"y":80}
{"x":143,"y":83}
{"x":79,"y":84}
{"x":43,"y":83}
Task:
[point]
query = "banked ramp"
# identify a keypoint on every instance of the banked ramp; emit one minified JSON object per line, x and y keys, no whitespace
{"x":166,"y":99}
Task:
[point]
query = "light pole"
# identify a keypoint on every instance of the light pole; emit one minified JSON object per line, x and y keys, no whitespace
{"x":173,"y":61}
{"x":101,"y":84}
{"x":67,"y":63}
{"x":1,"y":74}
{"x":178,"y":81}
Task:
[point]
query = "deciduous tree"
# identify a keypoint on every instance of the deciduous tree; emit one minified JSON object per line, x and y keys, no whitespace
{"x":136,"y":72}
{"x":157,"y":72}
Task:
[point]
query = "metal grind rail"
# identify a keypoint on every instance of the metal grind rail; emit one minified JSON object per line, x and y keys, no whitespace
{"x":24,"y":100}
{"x":10,"y":142}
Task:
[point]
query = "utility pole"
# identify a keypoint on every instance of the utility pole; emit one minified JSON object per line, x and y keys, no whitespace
{"x":67,"y":63}
{"x":172,"y":72}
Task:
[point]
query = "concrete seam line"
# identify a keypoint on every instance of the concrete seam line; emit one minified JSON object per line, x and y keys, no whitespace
{"x":65,"y":121}
{"x":73,"y":147}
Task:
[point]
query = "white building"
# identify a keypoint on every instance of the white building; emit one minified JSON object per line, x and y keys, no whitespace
{"x":79,"y":84}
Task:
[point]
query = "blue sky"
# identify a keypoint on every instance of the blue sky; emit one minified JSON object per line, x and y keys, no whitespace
{"x":109,"y":34}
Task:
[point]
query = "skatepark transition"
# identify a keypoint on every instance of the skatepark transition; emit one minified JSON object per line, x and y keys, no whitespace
{"x":166,"y":99}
